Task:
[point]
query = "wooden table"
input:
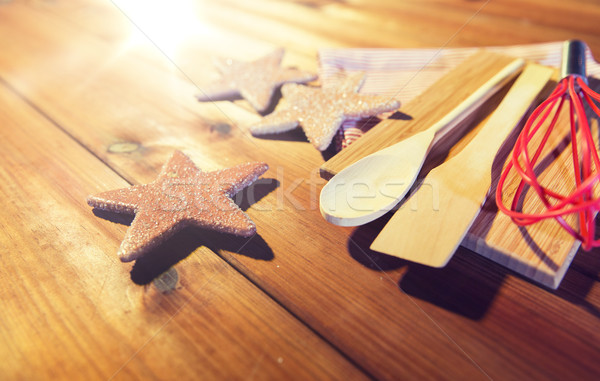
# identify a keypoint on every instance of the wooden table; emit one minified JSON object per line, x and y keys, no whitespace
{"x":88,"y":103}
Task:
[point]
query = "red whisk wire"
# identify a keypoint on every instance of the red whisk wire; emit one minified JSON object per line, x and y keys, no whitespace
{"x":571,"y":90}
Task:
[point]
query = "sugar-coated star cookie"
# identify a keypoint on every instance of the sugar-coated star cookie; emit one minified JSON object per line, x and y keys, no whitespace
{"x":182,"y":195}
{"x":321,"y":111}
{"x":255,"y":81}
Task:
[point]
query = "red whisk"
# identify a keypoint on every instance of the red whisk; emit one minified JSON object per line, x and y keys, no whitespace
{"x":572,"y":90}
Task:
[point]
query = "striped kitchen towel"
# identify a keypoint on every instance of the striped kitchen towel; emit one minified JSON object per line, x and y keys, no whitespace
{"x":404,"y":73}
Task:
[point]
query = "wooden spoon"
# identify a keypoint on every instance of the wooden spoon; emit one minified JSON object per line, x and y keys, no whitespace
{"x":373,"y":185}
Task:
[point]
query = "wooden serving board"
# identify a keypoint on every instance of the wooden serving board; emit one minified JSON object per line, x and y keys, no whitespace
{"x":542,"y":252}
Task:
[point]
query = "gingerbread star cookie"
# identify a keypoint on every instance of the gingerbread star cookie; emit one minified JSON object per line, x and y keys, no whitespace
{"x":321,"y":111}
{"x":254,"y":81}
{"x":182,"y":195}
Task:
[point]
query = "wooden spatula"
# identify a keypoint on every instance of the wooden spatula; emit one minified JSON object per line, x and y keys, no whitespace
{"x":430,"y":233}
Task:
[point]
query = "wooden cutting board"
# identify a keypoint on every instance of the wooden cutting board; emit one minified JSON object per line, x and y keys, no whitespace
{"x":542,"y":252}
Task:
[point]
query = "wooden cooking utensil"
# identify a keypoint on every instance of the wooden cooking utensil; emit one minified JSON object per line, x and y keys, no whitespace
{"x":430,"y":235}
{"x":372,"y":186}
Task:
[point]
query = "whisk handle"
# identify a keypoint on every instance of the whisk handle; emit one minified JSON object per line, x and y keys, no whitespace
{"x":573,"y":59}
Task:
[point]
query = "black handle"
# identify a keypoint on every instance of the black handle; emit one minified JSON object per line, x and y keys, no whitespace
{"x":573,"y":59}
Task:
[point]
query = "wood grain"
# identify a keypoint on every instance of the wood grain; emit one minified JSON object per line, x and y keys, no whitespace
{"x":291,"y":201}
{"x":124,"y":102}
{"x":71,"y":310}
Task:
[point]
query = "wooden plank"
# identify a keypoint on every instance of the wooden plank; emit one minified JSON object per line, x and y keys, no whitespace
{"x":395,"y":320}
{"x":273,"y":212}
{"x":70,"y":308}
{"x":403,"y":24}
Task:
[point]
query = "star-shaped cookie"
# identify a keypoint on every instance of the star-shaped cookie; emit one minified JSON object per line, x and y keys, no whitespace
{"x":255,"y":81}
{"x":182,"y":195}
{"x":321,"y":111}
